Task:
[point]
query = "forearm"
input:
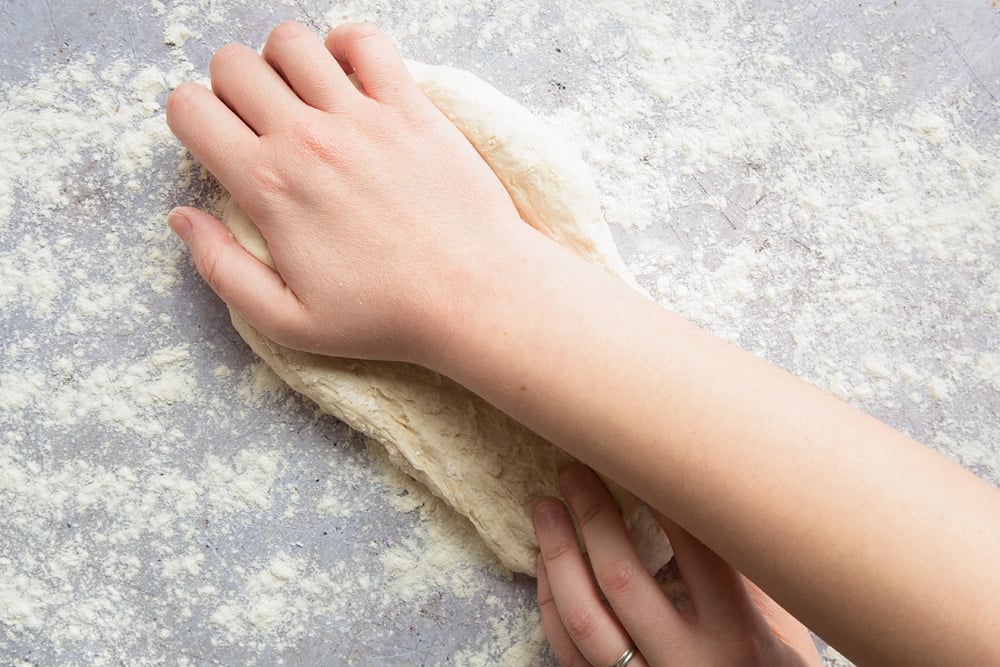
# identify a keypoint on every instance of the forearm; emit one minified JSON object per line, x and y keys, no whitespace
{"x":826,"y":508}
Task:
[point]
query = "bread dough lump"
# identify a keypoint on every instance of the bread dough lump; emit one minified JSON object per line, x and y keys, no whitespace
{"x":480,"y":461}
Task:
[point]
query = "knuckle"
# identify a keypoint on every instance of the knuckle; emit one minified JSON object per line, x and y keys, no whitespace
{"x":618,"y":577}
{"x":267,"y":179}
{"x":281,"y":323}
{"x":211,"y":266}
{"x":316,"y":141}
{"x":582,"y":622}
{"x":546,"y":602}
{"x":557,"y":549}
{"x":589,"y":512}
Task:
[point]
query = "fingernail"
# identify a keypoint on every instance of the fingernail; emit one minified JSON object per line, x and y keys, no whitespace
{"x":546,"y":514}
{"x":180,"y":223}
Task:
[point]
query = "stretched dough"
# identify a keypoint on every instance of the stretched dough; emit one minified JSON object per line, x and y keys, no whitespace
{"x":483,"y":463}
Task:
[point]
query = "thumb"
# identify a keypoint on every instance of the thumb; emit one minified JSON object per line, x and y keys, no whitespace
{"x":247,"y":285}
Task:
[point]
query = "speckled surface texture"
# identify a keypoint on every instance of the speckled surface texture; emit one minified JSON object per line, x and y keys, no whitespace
{"x":817,"y":182}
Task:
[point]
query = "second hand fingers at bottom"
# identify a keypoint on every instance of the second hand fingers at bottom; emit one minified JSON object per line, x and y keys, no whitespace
{"x":583,"y":617}
{"x":638,"y":601}
{"x":562,"y":644}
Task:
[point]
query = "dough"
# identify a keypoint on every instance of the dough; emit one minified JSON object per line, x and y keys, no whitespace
{"x":480,"y":461}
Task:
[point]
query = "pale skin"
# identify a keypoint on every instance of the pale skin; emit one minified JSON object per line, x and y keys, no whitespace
{"x":393,"y":240}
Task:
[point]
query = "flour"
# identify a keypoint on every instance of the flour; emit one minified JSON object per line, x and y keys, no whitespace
{"x":165,"y":499}
{"x":177,"y":33}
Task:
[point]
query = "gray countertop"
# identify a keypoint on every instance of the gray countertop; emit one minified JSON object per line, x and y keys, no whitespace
{"x":818,"y":182}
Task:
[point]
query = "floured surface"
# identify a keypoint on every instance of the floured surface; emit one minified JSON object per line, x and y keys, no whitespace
{"x":818,"y":185}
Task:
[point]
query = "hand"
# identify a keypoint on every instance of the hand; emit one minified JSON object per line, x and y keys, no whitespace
{"x":718,"y":618}
{"x":379,"y":214}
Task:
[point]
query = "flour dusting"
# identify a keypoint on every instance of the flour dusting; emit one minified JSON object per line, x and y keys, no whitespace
{"x":818,"y":186}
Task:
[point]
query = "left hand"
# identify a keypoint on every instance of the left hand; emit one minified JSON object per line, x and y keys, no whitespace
{"x":723,"y":620}
{"x":385,"y":225}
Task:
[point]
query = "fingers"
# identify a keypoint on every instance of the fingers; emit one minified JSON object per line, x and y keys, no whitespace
{"x":716,"y":587}
{"x":364,"y":50}
{"x":249,"y":86}
{"x":588,"y":623}
{"x":562,"y":644}
{"x":244,"y":283}
{"x":308,"y":67}
{"x":732,"y":621}
{"x":212,"y":132}
{"x":634,"y":595}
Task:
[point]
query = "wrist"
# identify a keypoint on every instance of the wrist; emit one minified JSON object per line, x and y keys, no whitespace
{"x":484,"y":293}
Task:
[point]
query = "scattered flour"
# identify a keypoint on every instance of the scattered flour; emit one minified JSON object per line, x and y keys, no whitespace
{"x":165,"y":498}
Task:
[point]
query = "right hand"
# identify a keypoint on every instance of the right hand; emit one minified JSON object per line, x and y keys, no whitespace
{"x":718,"y":617}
